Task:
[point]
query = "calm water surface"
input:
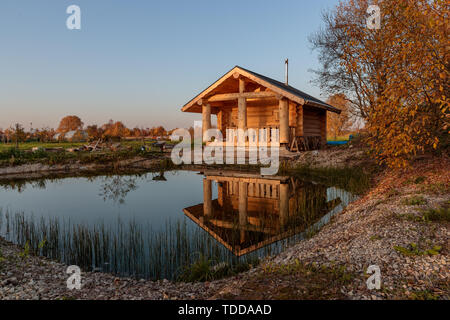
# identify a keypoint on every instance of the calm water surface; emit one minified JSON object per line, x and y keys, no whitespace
{"x":154,"y":225}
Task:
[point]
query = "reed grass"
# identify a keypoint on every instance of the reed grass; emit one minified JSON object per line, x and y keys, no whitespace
{"x":123,"y":248}
{"x":353,"y":179}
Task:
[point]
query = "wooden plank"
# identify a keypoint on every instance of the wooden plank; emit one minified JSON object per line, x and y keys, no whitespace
{"x":246,"y":95}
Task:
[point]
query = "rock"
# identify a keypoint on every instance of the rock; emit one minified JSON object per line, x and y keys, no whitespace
{"x":12,"y":281}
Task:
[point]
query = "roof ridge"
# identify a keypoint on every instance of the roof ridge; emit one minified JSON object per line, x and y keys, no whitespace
{"x":287,"y":86}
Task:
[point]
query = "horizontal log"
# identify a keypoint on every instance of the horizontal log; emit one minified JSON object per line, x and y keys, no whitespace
{"x":310,"y":126}
{"x":247,"y":95}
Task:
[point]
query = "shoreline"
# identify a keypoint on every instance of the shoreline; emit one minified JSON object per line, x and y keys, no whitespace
{"x":331,"y":157}
{"x":39,"y":170}
{"x":371,"y":230}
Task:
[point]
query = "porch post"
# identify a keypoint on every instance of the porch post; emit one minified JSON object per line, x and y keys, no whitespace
{"x":284,"y":121}
{"x":242,"y":111}
{"x":207,"y":197}
{"x":299,"y":129}
{"x":284,"y":203}
{"x":243,"y":208}
{"x":206,"y":118}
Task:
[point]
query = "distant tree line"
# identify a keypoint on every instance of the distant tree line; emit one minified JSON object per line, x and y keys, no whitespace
{"x":78,"y":132}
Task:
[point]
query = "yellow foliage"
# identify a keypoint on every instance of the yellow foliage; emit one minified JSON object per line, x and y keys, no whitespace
{"x":400,"y":70}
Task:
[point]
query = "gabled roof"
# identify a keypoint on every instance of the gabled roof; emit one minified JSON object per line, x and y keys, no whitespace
{"x":277,"y":87}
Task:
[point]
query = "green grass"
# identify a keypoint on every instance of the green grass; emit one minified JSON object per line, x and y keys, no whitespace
{"x":338,"y":273}
{"x":419,"y":180}
{"x":393,"y":192}
{"x":66,"y":145}
{"x":414,"y":250}
{"x":298,"y":280}
{"x":424,"y":295}
{"x":30,"y":145}
{"x":12,"y":157}
{"x":2,"y":258}
{"x":26,"y":251}
{"x":435,"y":188}
{"x":414,"y":201}
{"x":204,"y":270}
{"x":375,"y":237}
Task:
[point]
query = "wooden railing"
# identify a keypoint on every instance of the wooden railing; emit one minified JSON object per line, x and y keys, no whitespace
{"x":255,"y":135}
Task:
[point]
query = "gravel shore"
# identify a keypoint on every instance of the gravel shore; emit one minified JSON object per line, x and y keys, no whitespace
{"x":41,"y":170}
{"x":34,"y":277}
{"x":382,"y":228}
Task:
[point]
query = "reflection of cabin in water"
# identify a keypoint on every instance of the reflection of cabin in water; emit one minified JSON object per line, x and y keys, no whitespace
{"x":243,"y":99}
{"x":251,"y":212}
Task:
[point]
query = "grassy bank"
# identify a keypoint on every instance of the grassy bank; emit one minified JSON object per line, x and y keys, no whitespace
{"x":30,"y":145}
{"x":294,"y":281}
{"x":15,"y":157}
{"x":24,"y":146}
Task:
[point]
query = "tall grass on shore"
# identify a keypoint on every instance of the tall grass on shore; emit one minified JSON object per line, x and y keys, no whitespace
{"x":354,"y":179}
{"x":136,"y":250}
{"x":179,"y":249}
{"x":125,"y":248}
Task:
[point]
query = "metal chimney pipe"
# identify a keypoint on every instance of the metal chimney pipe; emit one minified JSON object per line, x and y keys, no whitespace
{"x":286,"y":62}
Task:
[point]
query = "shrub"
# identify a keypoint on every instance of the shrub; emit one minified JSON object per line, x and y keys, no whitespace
{"x":204,"y":270}
{"x":413,"y":250}
{"x":438,"y":214}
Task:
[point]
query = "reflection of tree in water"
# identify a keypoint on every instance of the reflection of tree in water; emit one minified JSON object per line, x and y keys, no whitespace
{"x":116,"y":188}
{"x":21,"y":185}
{"x":159,"y":177}
{"x":40,"y":184}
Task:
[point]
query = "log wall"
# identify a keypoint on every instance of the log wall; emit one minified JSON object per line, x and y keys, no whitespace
{"x":315,"y":123}
{"x":307,"y":121}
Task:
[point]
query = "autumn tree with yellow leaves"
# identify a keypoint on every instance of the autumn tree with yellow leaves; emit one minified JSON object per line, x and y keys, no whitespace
{"x":396,"y":77}
{"x":69,"y":123}
{"x":338,"y":124}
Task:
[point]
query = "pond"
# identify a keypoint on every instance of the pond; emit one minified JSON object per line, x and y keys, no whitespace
{"x":155,"y":225}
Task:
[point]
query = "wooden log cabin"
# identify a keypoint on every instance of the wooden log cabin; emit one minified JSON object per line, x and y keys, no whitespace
{"x":243,"y":99}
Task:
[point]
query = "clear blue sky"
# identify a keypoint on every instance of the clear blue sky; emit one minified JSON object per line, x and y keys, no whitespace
{"x":141,"y":61}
